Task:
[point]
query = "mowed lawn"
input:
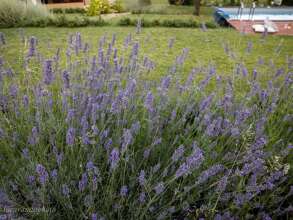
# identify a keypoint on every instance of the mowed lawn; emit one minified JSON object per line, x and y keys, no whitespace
{"x":223,"y":47}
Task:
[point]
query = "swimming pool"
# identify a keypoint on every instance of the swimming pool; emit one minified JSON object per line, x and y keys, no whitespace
{"x":222,"y":15}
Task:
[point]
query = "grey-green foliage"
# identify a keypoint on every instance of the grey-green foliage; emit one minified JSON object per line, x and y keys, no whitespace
{"x":144,"y":2}
{"x":17,"y":12}
{"x":135,"y":4}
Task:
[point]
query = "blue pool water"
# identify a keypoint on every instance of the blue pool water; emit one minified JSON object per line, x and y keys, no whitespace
{"x":275,"y":14}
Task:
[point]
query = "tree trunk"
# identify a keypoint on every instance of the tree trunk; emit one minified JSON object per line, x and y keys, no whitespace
{"x":196,"y":7}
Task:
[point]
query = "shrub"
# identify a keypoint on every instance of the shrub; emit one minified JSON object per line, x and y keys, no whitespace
{"x":181,"y":2}
{"x":18,"y":13}
{"x":88,"y":136}
{"x":65,"y":21}
{"x":142,"y":3}
{"x":97,"y":7}
{"x":117,"y":6}
{"x":68,"y":10}
{"x":125,"y":22}
{"x":287,"y":2}
{"x":172,"y":23}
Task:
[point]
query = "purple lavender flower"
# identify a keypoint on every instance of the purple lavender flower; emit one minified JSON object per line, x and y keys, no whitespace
{"x":249,"y":47}
{"x":130,"y":89}
{"x":205,"y":103}
{"x":212,"y":171}
{"x":65,"y":190}
{"x":94,"y":216}
{"x":33,"y":140}
{"x":182,"y":170}
{"x":195,"y":159}
{"x":25,"y":153}
{"x":2,"y":39}
{"x":222,"y":184}
{"x":157,"y":141}
{"x":146,"y":153}
{"x":138,"y":26}
{"x":240,"y":199}
{"x":70,"y":115}
{"x":32,"y":46}
{"x":148,"y":103}
{"x":235,"y":132}
{"x":135,"y":48}
{"x":156,"y":168}
{"x":88,"y":200}
{"x":244,"y":71}
{"x":135,"y":127}
{"x":59,"y":158}
{"x":142,"y":197}
{"x":114,"y":158}
{"x":70,"y":136}
{"x":104,"y":134}
{"x":254,"y":74}
{"x":192,"y":162}
{"x":95,"y":183}
{"x":108,"y":144}
{"x":266,"y":217}
{"x":78,"y":43}
{"x":25,"y":101}
{"x":90,"y":166}
{"x":171,"y":43}
{"x":54,"y":175}
{"x":31,"y":180}
{"x":141,"y":178}
{"x":2,"y":133}
{"x":159,"y":188}
{"x":83,"y":182}
{"x":127,"y":139}
{"x":66,"y":79}
{"x":165,"y":83}
{"x":123,"y":191}
{"x":178,"y":153}
{"x":48,"y":74}
{"x":173,"y":114}
{"x":85,"y":139}
{"x":13,"y":90}
{"x":42,"y":173}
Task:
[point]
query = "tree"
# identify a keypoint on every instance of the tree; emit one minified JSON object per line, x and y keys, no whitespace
{"x":196,"y":7}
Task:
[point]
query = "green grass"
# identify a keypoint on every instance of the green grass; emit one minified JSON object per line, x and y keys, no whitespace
{"x":205,"y":47}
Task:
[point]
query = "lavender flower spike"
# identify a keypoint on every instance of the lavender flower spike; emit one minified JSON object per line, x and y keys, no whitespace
{"x":70,"y":136}
{"x":149,"y":102}
{"x":48,"y":74}
{"x":83,"y":182}
{"x":65,"y":190}
{"x":159,"y":188}
{"x":141,"y":178}
{"x":32,"y":46}
{"x":42,"y":173}
{"x":114,"y":158}
{"x":2,"y":39}
{"x":123,"y":191}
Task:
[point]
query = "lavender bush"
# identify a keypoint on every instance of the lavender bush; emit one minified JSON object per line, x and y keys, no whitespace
{"x":87,"y":136}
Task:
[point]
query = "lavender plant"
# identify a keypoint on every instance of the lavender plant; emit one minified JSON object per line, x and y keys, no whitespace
{"x":94,"y":139}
